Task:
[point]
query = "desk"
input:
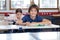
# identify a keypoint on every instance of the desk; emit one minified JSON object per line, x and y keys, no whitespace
{"x":56,"y":15}
{"x":27,"y":34}
{"x":19,"y":28}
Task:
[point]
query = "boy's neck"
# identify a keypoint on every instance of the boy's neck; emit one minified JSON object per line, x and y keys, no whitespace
{"x":32,"y":17}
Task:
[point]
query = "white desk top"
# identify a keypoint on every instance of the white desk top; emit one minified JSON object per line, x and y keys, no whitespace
{"x":3,"y":27}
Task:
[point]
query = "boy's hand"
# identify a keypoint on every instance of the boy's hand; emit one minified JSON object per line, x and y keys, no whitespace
{"x":28,"y":23}
{"x":18,"y":21}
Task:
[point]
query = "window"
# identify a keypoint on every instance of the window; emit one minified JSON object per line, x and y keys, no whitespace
{"x":36,"y":2}
{"x":19,"y":4}
{"x":59,"y":3}
{"x":47,"y":4}
{"x":2,"y":4}
{"x":43,"y":4}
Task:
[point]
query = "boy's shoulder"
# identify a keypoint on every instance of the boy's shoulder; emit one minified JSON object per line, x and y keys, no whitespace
{"x":26,"y":16}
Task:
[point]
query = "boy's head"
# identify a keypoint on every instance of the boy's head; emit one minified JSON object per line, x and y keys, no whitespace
{"x":33,"y":10}
{"x":18,"y":12}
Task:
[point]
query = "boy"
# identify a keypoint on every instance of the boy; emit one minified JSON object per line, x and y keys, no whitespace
{"x":19,"y":16}
{"x":33,"y":17}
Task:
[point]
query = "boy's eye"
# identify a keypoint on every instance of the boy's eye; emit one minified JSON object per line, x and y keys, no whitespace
{"x":33,"y":10}
{"x":17,"y":14}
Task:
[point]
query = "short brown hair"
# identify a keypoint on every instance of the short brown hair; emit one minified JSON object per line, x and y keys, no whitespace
{"x":18,"y":10}
{"x":34,"y":6}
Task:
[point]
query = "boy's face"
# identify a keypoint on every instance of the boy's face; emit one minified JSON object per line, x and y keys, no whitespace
{"x":18,"y":15}
{"x":33,"y":12}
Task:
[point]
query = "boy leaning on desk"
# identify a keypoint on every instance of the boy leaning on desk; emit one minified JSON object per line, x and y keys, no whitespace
{"x":32,"y":19}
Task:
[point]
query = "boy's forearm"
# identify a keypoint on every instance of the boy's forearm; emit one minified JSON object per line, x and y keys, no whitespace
{"x":48,"y":22}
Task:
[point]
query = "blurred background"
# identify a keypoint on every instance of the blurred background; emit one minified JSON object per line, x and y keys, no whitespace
{"x":49,"y":9}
